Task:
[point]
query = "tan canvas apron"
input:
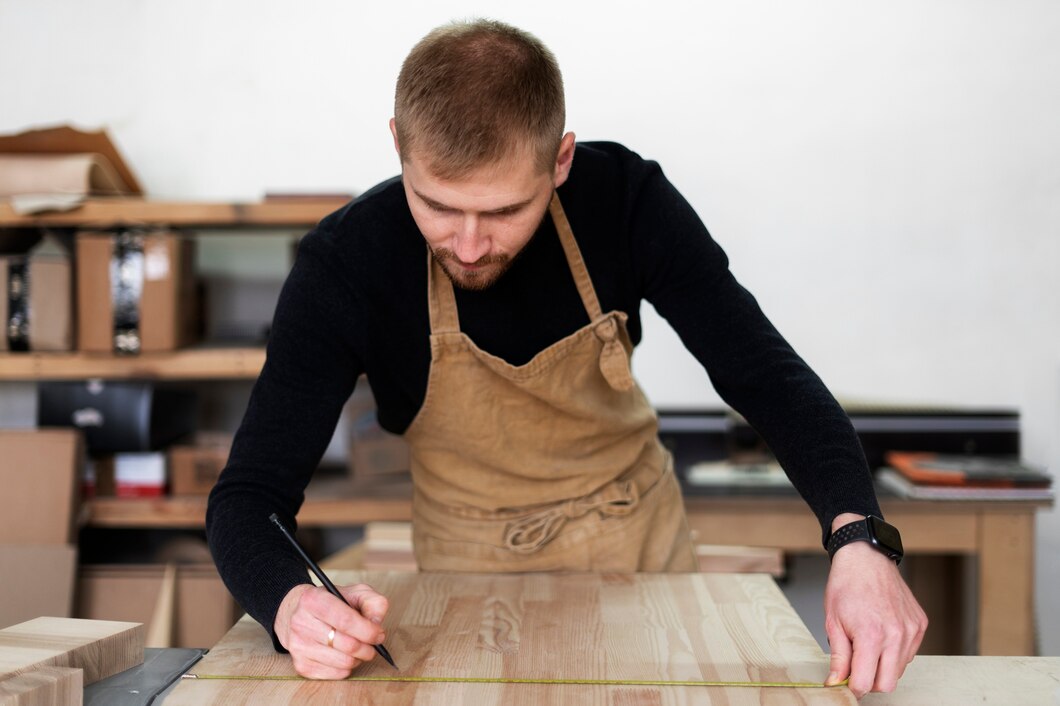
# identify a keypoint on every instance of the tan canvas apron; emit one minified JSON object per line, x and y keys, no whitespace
{"x":549,"y":466}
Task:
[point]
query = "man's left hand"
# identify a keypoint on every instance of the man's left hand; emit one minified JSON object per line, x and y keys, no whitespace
{"x":874,"y":624}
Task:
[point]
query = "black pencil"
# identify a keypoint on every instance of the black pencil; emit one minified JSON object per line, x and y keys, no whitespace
{"x":324,"y":580}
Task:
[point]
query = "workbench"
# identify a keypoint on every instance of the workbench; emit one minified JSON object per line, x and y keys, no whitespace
{"x":624,"y":627}
{"x":636,"y":629}
{"x":1000,"y":536}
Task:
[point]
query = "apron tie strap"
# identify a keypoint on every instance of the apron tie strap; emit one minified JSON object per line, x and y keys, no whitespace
{"x":614,"y":362}
{"x":528,"y":534}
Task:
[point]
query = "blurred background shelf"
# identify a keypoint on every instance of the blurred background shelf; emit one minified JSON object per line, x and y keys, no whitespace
{"x":199,"y":363}
{"x":111,"y":212}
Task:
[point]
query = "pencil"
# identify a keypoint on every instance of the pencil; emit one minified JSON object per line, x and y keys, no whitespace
{"x":324,"y":580}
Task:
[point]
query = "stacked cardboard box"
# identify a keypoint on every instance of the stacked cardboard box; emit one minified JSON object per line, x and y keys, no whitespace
{"x":375,"y":455}
{"x":181,"y":605}
{"x":135,"y":291}
{"x":39,"y":474}
{"x":36,"y":295}
{"x":195,"y":468}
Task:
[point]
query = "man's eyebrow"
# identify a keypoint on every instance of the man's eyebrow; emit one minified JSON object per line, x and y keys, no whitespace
{"x":503,"y":209}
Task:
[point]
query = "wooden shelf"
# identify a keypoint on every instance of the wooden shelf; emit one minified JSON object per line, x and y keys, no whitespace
{"x":108,"y":213}
{"x":186,"y":364}
{"x":329,"y":503}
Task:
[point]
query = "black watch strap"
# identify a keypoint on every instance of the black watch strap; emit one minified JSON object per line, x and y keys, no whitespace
{"x":882,"y":536}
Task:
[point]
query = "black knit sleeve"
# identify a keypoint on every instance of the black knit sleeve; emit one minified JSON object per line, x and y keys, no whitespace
{"x":685,"y":275}
{"x":309,"y":373}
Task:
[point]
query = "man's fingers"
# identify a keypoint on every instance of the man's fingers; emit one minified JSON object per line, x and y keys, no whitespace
{"x":368,"y":601}
{"x":335,"y":613}
{"x":310,"y":641}
{"x":864,"y":661}
{"x":889,"y":670}
{"x":347,"y":644}
{"x":311,"y":669}
{"x":839,"y":668}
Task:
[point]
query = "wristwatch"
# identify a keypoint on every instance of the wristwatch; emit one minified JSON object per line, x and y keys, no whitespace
{"x":873,"y":530}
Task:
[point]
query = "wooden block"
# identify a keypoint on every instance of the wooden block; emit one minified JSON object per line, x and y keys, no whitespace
{"x":728,"y":559}
{"x":350,"y":558}
{"x":47,"y":686}
{"x":99,"y":647}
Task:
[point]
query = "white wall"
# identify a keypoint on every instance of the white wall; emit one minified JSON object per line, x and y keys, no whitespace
{"x":885,"y":177}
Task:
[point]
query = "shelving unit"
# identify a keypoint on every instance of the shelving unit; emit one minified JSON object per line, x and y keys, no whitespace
{"x":197,"y":363}
{"x":329,"y":503}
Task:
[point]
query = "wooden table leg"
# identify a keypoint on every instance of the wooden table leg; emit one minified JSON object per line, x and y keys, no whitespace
{"x":1006,"y":584}
{"x":936,"y":582}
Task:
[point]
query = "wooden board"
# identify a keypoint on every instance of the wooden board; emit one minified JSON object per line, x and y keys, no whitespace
{"x":555,"y":626}
{"x":204,"y":363}
{"x":112,"y":212}
{"x":984,"y":681}
{"x":47,"y":686}
{"x":99,"y":647}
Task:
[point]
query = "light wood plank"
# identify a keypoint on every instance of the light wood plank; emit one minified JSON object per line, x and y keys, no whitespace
{"x":110,"y":212}
{"x":556,"y":626}
{"x":99,"y":647}
{"x":984,"y":681}
{"x":1006,"y":585}
{"x":46,"y":686}
{"x":184,"y":364}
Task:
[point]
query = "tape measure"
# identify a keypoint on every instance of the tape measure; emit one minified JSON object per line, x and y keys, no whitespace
{"x":512,"y":680}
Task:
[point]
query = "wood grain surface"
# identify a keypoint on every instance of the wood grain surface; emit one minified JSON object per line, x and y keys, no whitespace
{"x":99,"y":647}
{"x":983,"y":681}
{"x":556,"y":626}
{"x":47,"y":686}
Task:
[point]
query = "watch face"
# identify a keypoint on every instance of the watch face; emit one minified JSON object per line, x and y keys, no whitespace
{"x":885,"y":535}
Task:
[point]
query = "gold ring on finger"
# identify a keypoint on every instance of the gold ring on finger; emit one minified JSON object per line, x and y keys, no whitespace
{"x":331,"y":637}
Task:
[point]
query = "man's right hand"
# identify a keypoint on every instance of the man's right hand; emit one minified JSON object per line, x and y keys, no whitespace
{"x":307,"y":615}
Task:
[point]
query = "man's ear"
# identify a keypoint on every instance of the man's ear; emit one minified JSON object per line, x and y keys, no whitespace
{"x":393,"y":131}
{"x":564,"y":159}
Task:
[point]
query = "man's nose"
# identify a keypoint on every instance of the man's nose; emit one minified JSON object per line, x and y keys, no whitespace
{"x":470,"y":244}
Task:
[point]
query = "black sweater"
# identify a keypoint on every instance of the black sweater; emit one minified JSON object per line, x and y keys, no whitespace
{"x":356,"y":302}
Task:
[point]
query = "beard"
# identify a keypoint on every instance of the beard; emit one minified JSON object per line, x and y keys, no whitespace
{"x":491,"y":269}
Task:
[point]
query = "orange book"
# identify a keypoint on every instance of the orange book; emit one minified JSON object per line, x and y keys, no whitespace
{"x":970,"y":471}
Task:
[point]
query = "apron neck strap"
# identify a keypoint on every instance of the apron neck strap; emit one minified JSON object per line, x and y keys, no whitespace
{"x":574,"y":259}
{"x":442,"y":300}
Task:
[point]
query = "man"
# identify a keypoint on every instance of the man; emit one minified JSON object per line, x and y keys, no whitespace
{"x":491,"y":294}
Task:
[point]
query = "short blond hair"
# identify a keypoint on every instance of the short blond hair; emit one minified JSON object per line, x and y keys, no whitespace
{"x":472,"y":93}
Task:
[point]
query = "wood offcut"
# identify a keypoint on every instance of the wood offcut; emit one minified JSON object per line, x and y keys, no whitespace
{"x":99,"y":647}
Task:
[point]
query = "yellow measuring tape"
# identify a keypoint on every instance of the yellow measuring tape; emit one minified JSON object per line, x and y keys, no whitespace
{"x":512,"y":680}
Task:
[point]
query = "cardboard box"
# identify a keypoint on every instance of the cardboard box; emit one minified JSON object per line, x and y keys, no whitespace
{"x":37,"y":581}
{"x":150,"y":307}
{"x":194,"y":470}
{"x":375,"y":455}
{"x":40,"y":473}
{"x":36,"y":298}
{"x":202,"y":610}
